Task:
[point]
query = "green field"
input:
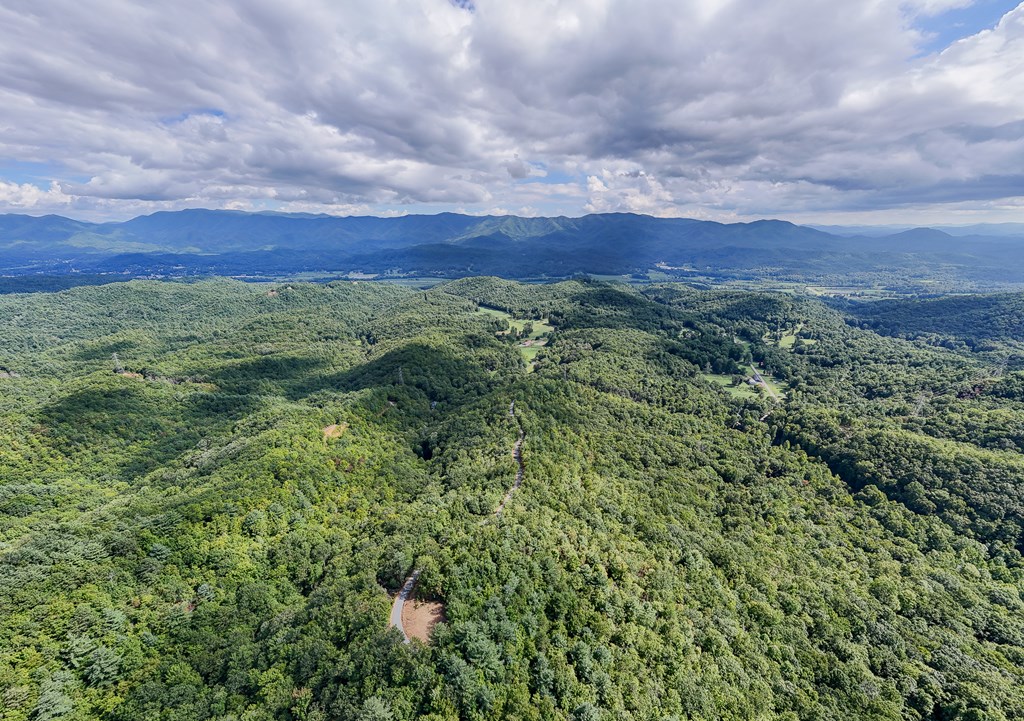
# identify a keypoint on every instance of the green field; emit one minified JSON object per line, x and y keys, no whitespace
{"x":541,"y":328}
{"x":745,"y":390}
{"x":779,"y":387}
{"x":788,"y":338}
{"x":530,"y":352}
{"x":742,"y":392}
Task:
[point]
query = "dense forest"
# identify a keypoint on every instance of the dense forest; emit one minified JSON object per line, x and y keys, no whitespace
{"x":733,"y":505}
{"x":978,"y":323}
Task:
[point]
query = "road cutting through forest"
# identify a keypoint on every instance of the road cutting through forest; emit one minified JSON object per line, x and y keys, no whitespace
{"x":416,"y":619}
{"x":517,"y":453}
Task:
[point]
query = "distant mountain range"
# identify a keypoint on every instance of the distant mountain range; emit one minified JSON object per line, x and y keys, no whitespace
{"x":875,"y":231}
{"x":203,"y":242}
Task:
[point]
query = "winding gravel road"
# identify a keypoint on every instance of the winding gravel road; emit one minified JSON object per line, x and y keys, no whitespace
{"x":400,"y":599}
{"x":405,"y":592}
{"x":517,"y":453}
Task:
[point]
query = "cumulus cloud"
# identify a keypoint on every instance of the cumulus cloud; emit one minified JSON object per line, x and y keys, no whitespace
{"x":699,"y":108}
{"x":633,"y":192}
{"x":29,"y":197}
{"x":517,"y":168}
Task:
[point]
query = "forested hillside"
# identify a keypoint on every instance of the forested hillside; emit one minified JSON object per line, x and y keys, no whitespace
{"x":989,"y":322}
{"x":198,"y":242}
{"x":733,"y":506}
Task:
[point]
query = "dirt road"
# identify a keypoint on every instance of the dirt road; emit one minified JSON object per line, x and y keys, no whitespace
{"x":400,"y":599}
{"x":764,"y":384}
{"x":517,"y":453}
{"x":430,"y":613}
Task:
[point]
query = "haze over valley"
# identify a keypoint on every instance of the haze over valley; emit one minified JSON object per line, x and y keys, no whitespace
{"x":768,"y":253}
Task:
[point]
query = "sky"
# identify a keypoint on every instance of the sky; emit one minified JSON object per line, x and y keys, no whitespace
{"x":860,"y":111}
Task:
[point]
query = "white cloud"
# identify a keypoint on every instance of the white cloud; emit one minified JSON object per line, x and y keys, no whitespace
{"x":702,"y":108}
{"x":935,"y":7}
{"x":29,"y":197}
{"x":630,"y":192}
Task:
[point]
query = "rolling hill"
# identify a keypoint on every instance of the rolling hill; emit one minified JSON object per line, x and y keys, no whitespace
{"x":213,"y":242}
{"x":211,"y":493}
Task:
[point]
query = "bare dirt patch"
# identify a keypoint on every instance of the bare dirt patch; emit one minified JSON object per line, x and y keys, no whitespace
{"x":335,"y":430}
{"x":129,"y":374}
{"x":420,"y":617}
{"x":272,"y":294}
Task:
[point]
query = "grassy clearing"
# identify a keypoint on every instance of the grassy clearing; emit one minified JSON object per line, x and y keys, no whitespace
{"x":494,"y":311}
{"x":779,"y":387}
{"x":742,"y":392}
{"x":335,"y":430}
{"x":540,"y":327}
{"x":530,"y":352}
{"x":788,"y":341}
{"x":788,"y":338}
{"x":530,"y":344}
{"x":745,"y":391}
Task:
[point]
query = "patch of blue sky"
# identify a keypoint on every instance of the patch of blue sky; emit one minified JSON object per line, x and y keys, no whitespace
{"x":21,"y":172}
{"x":40,"y":175}
{"x":549,"y":177}
{"x":942,"y":30}
{"x":182,"y":117}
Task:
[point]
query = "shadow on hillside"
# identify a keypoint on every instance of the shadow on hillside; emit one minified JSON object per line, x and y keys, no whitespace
{"x":138,"y":426}
{"x":601,"y":306}
{"x":419,"y":372}
{"x":266,"y":375}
